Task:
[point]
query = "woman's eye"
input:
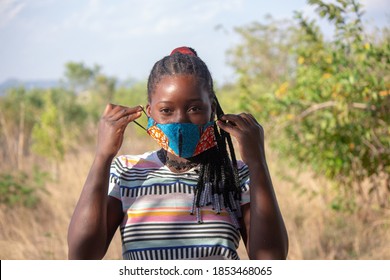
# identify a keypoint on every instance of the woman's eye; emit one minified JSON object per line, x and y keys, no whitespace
{"x":195,"y":109}
{"x":165,"y":110}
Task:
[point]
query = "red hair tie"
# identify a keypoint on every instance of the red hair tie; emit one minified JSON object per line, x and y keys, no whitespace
{"x":184,"y":50}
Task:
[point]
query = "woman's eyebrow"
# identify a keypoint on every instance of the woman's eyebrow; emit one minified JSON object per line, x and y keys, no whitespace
{"x":163,"y":101}
{"x":196,"y":99}
{"x":189,"y":100}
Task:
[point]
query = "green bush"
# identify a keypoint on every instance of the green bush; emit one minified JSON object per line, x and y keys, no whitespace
{"x":327,"y":102}
{"x":21,"y":188}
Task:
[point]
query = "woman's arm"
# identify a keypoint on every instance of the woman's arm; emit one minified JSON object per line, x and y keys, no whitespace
{"x":97,"y":215}
{"x":267,"y":235}
{"x":264,"y":232}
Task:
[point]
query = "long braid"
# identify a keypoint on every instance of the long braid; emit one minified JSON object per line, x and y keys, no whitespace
{"x":220,"y":113}
{"x":218,"y":183}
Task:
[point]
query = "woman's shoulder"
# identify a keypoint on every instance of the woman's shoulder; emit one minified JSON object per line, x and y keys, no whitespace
{"x":142,"y":161}
{"x":243,"y":170}
{"x":241,"y":166}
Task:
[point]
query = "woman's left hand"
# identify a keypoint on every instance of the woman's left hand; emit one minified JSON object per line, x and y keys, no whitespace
{"x":248,"y":133}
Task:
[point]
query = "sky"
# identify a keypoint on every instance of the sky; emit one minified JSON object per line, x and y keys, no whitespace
{"x":38,"y":37}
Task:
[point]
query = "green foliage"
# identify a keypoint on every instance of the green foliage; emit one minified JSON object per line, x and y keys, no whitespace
{"x":332,"y":110}
{"x":19,"y":111}
{"x":61,"y":121}
{"x":340,"y":97}
{"x":53,"y":121}
{"x":132,"y":96}
{"x":48,"y":133}
{"x":80,"y":77}
{"x":263,"y":60}
{"x":227,"y":96}
{"x":93,"y":88}
{"x":21,"y":188}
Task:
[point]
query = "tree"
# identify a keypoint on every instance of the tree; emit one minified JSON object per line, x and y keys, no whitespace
{"x":331,"y":110}
{"x":61,"y":122}
{"x":93,"y":88}
{"x":48,"y":135}
{"x":263,"y":60}
{"x":80,"y":77}
{"x":19,"y":110}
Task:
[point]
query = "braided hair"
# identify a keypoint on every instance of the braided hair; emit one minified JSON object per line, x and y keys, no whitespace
{"x":218,"y":182}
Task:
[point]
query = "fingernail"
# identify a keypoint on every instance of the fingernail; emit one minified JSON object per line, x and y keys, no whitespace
{"x":143,"y":109}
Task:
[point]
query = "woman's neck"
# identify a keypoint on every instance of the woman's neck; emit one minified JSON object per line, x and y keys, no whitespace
{"x":175,"y":163}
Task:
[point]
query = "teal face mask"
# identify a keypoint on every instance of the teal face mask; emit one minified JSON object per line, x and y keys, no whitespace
{"x":185,"y":140}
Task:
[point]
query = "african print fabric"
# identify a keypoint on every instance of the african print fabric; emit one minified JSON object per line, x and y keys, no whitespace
{"x":185,"y":140}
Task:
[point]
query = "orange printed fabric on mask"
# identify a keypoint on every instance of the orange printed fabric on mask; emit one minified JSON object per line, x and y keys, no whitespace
{"x":183,"y":139}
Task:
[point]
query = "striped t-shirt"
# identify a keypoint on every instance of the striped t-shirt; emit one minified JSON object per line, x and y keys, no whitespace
{"x":157,"y":202}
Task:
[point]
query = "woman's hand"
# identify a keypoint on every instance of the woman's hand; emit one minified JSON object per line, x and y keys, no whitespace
{"x":112,"y":126}
{"x":248,"y":133}
{"x":264,"y":226}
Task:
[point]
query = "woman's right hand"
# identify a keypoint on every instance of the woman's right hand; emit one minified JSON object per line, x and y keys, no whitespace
{"x":112,"y":126}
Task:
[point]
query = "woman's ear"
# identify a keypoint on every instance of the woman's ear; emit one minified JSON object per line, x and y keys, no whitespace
{"x":148,"y":110}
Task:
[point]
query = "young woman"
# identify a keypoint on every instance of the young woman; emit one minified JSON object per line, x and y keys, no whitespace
{"x":191,"y":199}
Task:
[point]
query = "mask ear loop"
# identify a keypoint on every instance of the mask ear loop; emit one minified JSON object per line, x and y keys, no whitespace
{"x":141,"y":126}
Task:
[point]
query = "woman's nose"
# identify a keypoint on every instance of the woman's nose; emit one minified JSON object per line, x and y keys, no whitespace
{"x":181,"y":117}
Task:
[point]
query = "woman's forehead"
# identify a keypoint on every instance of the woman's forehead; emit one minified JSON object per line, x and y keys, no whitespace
{"x":174,"y":87}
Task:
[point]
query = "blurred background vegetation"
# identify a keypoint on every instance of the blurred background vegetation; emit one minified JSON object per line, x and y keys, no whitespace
{"x":324,"y":104}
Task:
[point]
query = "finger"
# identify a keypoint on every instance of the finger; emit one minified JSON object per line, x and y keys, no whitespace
{"x":121,"y":112}
{"x":111,"y":110}
{"x":122,"y":123}
{"x":249,"y":119}
{"x":125,"y":120}
{"x":226,"y":126}
{"x":115,"y":109}
{"x":134,"y":116}
{"x":108,"y":108}
{"x":235,"y":120}
{"x":246,"y":119}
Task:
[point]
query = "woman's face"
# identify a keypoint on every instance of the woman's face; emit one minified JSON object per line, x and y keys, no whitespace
{"x":180,"y":99}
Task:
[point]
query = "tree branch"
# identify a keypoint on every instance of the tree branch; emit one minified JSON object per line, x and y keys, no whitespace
{"x":327,"y":104}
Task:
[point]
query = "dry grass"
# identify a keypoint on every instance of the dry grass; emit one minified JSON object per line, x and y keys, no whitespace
{"x":315,"y":231}
{"x":318,"y":232}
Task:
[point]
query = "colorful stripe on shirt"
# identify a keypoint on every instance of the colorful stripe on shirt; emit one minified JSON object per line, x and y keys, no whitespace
{"x":157,"y":202}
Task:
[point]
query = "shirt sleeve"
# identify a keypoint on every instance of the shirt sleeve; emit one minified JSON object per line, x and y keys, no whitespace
{"x":243,"y":174}
{"x":114,"y":186}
